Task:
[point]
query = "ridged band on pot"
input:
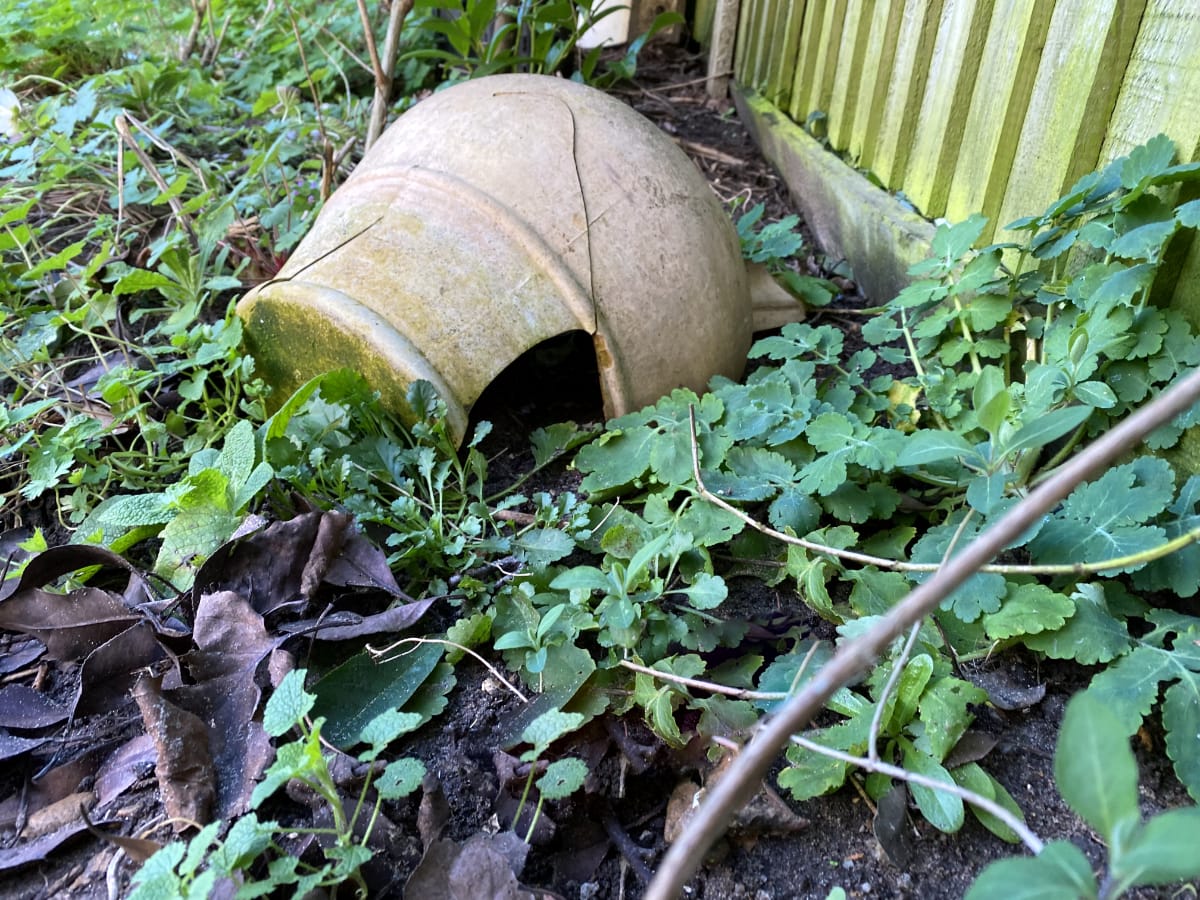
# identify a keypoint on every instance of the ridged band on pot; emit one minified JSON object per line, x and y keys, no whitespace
{"x":493,"y":216}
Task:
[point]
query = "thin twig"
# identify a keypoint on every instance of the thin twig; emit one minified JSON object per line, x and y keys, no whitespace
{"x":866,"y":559}
{"x":121,"y":123}
{"x":385,"y":70}
{"x":1031,"y":840}
{"x":853,"y":657}
{"x":711,"y":687}
{"x":380,"y":653}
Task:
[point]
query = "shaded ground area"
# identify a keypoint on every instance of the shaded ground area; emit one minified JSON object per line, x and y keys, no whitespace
{"x":602,"y":843}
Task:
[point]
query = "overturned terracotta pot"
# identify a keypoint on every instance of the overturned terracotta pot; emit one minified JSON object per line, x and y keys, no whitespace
{"x":493,"y":216}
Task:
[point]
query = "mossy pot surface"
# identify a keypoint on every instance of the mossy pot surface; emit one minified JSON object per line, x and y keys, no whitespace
{"x":498,"y":214}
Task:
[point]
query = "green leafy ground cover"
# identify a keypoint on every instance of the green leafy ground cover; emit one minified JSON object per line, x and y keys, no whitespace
{"x":144,"y":188}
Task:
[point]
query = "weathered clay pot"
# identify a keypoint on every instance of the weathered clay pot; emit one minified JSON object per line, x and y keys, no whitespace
{"x":493,"y":216}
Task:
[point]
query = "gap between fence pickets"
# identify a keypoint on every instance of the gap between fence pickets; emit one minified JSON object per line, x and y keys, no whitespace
{"x":752,"y":764}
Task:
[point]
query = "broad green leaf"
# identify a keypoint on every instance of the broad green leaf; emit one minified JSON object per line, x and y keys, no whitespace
{"x":548,"y":728}
{"x":1095,"y":394}
{"x":944,"y":712}
{"x":706,"y":591}
{"x":943,"y":810}
{"x":358,"y":690}
{"x":1162,"y":851}
{"x":1093,"y":766}
{"x":979,"y":594}
{"x":237,"y":454}
{"x":909,"y":687}
{"x":986,"y":492}
{"x":400,"y":778}
{"x":1059,"y":872}
{"x":1092,"y":635}
{"x":1103,"y":520}
{"x":1147,"y":161}
{"x":189,"y":539}
{"x":385,"y":728}
{"x":542,"y":546}
{"x":137,"y":280}
{"x":1047,"y":428}
{"x":951,"y":242}
{"x":934,"y":445}
{"x":1181,"y":719}
{"x":1028,"y":609}
{"x":1144,"y":242}
{"x":811,"y":774}
{"x":788,"y":672}
{"x":1129,"y":687}
{"x":973,"y":778}
{"x":582,"y":578}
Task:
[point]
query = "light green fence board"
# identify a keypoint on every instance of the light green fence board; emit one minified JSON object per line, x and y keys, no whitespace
{"x":806,"y":67}
{"x":873,"y":80}
{"x":951,"y":80}
{"x":1003,"y":87}
{"x":781,"y":83}
{"x":1087,"y":48}
{"x":742,"y":40}
{"x":781,"y":68}
{"x":906,"y":86}
{"x":1161,"y":94}
{"x":855,"y":32}
{"x":827,"y":38}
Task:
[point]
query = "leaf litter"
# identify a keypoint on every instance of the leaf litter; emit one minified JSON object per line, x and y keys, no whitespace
{"x":171,"y":685}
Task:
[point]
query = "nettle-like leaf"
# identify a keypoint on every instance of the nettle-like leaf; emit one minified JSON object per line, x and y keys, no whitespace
{"x":945,"y":716}
{"x":1108,"y":518}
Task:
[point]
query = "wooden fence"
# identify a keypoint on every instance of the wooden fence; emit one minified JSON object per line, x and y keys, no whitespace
{"x":993,"y":106}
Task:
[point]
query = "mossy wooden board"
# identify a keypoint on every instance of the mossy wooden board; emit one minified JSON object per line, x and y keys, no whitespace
{"x":873,"y":84}
{"x":849,"y":216}
{"x":1161,"y":94}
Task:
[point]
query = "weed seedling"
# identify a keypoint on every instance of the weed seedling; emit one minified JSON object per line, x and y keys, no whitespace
{"x":563,"y":776}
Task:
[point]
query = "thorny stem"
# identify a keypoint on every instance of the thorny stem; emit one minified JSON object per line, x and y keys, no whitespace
{"x":736,"y":788}
{"x":1031,"y":840}
{"x":866,"y":559}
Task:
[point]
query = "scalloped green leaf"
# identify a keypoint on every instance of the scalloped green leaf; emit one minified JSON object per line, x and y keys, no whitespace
{"x":1092,"y":635}
{"x":1181,"y":719}
{"x":1028,"y":609}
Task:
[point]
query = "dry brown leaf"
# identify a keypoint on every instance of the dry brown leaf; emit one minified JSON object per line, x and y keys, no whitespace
{"x":184,"y":767}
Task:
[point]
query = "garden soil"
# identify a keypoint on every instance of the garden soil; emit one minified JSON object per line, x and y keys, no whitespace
{"x":603,"y":843}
